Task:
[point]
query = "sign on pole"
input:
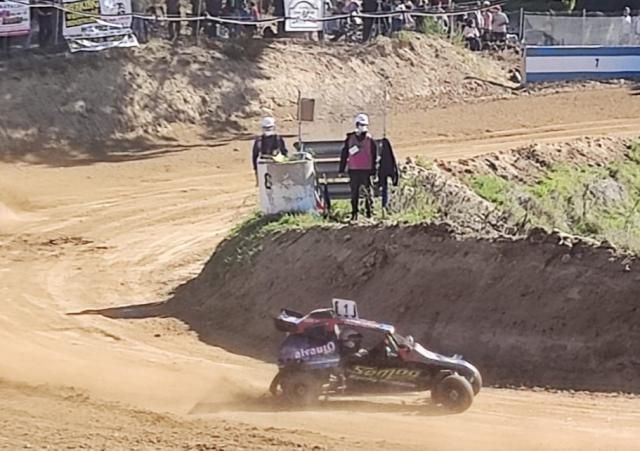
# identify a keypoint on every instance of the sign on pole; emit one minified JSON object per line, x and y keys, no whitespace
{"x":303,"y":15}
{"x":14,"y":19}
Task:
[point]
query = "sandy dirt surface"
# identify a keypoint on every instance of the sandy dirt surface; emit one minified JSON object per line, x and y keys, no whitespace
{"x":88,"y":235}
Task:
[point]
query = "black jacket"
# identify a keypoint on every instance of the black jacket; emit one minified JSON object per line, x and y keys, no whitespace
{"x":388,"y":165}
{"x":265,"y":145}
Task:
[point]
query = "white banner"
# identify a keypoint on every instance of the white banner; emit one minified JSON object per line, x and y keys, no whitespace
{"x":85,"y":32}
{"x":95,"y":44}
{"x":303,"y":14}
{"x":14,"y":19}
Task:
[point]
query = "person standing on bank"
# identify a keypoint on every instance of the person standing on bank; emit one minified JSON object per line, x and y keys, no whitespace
{"x":268,"y":143}
{"x":388,"y":169}
{"x":359,"y":158}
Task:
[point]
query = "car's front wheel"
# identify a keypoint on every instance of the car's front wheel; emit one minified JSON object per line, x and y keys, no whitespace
{"x":454,"y":392}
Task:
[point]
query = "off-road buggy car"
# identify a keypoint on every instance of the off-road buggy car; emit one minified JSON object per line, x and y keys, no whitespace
{"x":327,"y":353}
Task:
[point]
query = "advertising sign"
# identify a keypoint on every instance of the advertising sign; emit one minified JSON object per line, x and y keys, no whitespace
{"x":91,"y":25}
{"x":14,"y":19}
{"x":303,"y":15}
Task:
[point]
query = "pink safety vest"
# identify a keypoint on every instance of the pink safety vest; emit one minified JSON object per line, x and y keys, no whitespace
{"x":362,"y":159}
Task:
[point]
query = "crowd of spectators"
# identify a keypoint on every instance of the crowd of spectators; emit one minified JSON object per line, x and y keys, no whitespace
{"x":481,"y":26}
{"x":353,"y":28}
{"x":487,"y":25}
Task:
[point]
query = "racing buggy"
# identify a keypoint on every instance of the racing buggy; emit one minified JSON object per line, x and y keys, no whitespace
{"x":333,"y":352}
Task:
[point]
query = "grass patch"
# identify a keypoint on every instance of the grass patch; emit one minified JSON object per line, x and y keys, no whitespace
{"x":602,"y":203}
{"x":494,"y":189}
{"x":424,"y":162}
{"x":566,"y":198}
{"x":432,"y":27}
{"x":247,"y":236}
{"x":411,"y":203}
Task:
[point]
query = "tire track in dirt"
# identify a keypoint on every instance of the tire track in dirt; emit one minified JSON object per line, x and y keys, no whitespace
{"x":451,"y":148}
{"x":151,"y":224}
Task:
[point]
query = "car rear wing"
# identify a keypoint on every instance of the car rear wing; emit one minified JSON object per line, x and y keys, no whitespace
{"x":287,"y":320}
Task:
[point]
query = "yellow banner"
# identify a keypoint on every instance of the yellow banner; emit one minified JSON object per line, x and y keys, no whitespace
{"x":73,"y":19}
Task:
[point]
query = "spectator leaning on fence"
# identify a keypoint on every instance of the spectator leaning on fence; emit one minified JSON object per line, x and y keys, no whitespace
{"x":487,"y":22}
{"x":46,"y":19}
{"x":368,"y":7}
{"x":499,"y":25}
{"x":139,"y":26}
{"x":173,"y":11}
{"x":214,"y":9}
{"x":477,"y":18}
{"x":471,"y":35}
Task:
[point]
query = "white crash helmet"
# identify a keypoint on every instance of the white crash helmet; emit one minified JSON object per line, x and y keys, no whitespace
{"x":362,"y":123}
{"x":268,"y":125}
{"x":362,"y":119}
{"x":351,"y":339}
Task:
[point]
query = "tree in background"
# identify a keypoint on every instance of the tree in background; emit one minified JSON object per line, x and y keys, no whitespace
{"x":608,"y":6}
{"x":570,"y":5}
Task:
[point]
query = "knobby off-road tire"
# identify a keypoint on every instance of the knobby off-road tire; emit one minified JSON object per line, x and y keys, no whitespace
{"x":300,"y":389}
{"x":454,"y":392}
{"x":476,"y":384}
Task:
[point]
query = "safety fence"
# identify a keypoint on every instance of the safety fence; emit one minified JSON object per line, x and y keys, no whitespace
{"x":585,"y":46}
{"x":89,"y":25}
{"x":577,"y":30}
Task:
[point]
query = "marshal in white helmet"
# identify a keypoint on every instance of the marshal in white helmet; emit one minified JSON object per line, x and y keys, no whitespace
{"x":269,"y":143}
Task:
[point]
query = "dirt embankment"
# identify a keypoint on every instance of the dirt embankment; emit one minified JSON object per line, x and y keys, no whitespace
{"x":530,"y":163}
{"x":542,"y":311}
{"x":49,"y":102}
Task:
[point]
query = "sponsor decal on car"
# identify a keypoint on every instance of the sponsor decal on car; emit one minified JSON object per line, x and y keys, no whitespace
{"x":366,"y":372}
{"x":328,"y":348}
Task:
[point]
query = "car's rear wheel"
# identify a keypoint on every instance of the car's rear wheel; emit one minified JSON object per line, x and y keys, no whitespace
{"x":300,"y":388}
{"x":454,"y":392}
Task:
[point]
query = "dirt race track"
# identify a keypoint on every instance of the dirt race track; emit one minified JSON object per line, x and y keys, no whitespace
{"x":85,"y":237}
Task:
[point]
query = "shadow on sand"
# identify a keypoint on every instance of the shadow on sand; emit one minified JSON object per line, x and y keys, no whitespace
{"x":269,"y":404}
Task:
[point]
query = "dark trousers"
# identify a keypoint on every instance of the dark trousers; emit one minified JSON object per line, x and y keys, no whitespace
{"x":474,"y":44}
{"x":196,"y":26}
{"x":174,"y":29}
{"x":360,"y":180}
{"x":45,"y":30}
{"x":368,"y":25}
{"x":212,"y":26}
{"x":140,"y":29}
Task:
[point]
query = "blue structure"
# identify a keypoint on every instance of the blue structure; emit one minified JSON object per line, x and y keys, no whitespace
{"x":560,"y":63}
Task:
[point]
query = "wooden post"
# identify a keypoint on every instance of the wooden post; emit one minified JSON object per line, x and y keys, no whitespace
{"x":301,"y":149}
